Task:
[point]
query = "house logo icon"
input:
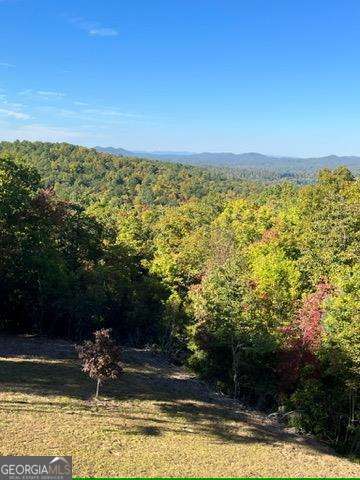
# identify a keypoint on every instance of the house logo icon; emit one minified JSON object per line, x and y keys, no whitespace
{"x":59,"y":459}
{"x":60,"y":467}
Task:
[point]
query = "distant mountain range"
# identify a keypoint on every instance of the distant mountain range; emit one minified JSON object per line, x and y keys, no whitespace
{"x":250,"y":160}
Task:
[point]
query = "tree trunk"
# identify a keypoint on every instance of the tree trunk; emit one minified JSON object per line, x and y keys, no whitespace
{"x":97,"y":388}
{"x":236,"y":348}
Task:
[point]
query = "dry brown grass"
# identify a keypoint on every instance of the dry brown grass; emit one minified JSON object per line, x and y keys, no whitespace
{"x":155,"y":421}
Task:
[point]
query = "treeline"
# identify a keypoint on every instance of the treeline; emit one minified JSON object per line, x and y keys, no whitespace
{"x":256,"y":289}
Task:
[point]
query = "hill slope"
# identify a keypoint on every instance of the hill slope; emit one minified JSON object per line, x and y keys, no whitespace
{"x":156,"y":420}
{"x":84,"y":175}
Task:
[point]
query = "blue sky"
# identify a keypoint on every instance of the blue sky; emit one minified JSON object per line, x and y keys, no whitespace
{"x":274,"y":76}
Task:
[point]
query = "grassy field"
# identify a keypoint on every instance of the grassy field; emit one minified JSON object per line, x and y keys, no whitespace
{"x":156,"y":421}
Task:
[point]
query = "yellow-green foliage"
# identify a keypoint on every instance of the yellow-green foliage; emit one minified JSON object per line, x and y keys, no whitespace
{"x":342,"y":322}
{"x":233,"y":277}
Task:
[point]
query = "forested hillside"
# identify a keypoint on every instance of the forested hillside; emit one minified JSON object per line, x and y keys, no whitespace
{"x":255,"y":288}
{"x":84,"y":175}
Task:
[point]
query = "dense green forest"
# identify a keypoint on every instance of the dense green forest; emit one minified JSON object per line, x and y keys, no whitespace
{"x":83,"y":175}
{"x":255,"y":287}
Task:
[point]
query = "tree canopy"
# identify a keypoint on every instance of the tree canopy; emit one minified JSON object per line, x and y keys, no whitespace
{"x":255,"y":287}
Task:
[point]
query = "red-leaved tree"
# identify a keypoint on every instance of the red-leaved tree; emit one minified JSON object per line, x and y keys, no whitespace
{"x":302,"y":339}
{"x":101,"y":359}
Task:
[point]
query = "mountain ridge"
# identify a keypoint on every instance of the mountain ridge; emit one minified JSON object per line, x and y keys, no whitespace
{"x":244,"y":160}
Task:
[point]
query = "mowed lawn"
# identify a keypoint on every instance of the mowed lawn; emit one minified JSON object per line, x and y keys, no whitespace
{"x":155,"y":421}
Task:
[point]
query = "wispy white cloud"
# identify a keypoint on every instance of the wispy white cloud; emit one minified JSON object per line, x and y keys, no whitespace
{"x":35,"y":131}
{"x":81,"y":104}
{"x":50,"y":94}
{"x":26,"y":92}
{"x":14,"y":104}
{"x":46,"y":94}
{"x":95,"y":116}
{"x":94,"y":29}
{"x":7,"y":65}
{"x":14,"y":114}
{"x":103,"y":32}
{"x":63,"y":112}
{"x":111,"y":113}
{"x":103,"y":111}
{"x":4,"y":101}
